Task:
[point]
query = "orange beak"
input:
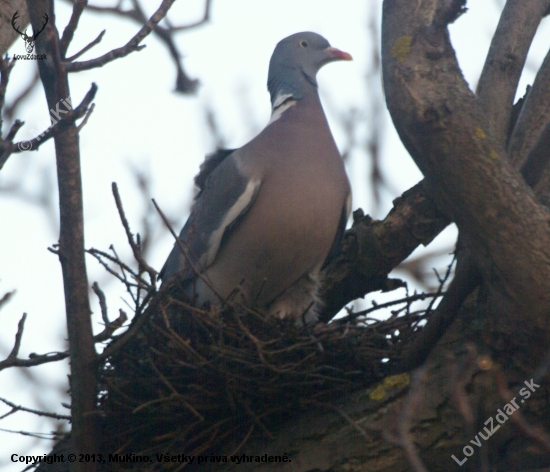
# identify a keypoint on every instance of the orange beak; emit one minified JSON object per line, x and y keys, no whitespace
{"x":338,"y":55}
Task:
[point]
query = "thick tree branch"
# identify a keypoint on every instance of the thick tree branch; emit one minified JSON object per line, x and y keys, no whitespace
{"x":509,"y":47}
{"x":534,"y":116}
{"x":538,"y":158}
{"x":83,"y":380}
{"x":442,"y":126}
{"x":496,"y":91}
{"x":372,"y":249}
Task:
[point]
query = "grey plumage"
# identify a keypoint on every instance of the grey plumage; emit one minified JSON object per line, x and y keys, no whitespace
{"x":269,"y":214}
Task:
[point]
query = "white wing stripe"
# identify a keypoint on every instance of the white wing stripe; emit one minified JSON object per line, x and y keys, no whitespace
{"x":216,"y":237}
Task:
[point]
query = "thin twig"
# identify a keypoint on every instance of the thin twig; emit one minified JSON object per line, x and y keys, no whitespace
{"x":102,"y":302}
{"x":138,"y":321}
{"x":36,"y":412}
{"x":68,"y":32}
{"x":185,"y":251}
{"x":131,"y":46}
{"x":6,"y":298}
{"x":111,"y":327}
{"x":5,"y":69}
{"x":9,"y":148}
{"x":34,"y":360}
{"x":87,"y":47}
{"x":135,"y":249}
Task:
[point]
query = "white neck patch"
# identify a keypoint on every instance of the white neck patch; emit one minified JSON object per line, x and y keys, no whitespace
{"x":282,"y":103}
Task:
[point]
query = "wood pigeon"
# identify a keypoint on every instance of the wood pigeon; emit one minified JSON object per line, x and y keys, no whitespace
{"x":269,"y":215}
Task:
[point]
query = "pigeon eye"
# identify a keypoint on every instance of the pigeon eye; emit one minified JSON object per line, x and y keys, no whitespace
{"x":304,"y":43}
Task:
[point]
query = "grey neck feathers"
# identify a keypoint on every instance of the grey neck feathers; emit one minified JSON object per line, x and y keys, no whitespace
{"x":291,"y":82}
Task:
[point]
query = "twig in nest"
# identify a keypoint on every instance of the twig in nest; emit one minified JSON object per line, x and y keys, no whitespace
{"x":185,"y":251}
{"x":110,"y":326}
{"x":408,"y":300}
{"x":98,"y":254}
{"x":137,"y":254}
{"x":243,"y":442}
{"x":137,"y":323}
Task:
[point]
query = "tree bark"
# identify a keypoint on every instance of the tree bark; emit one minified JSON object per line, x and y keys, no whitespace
{"x":467,"y":171}
{"x":83,"y":379}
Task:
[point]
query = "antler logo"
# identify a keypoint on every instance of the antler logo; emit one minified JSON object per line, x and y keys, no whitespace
{"x":29,"y":40}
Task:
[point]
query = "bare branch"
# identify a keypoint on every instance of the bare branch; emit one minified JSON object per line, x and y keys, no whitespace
{"x":87,"y":47}
{"x":86,"y":117}
{"x":132,"y":45}
{"x":18,"y":336}
{"x":83,"y":378}
{"x":467,"y":278}
{"x":137,"y":323}
{"x":5,"y":69}
{"x":205,"y":18}
{"x":111,"y":327}
{"x":35,"y":412}
{"x":124,"y":267}
{"x":534,"y":116}
{"x":372,"y":249}
{"x":68,"y":33}
{"x":13,"y":361}
{"x":135,"y":249}
{"x":38,"y":359}
{"x":505,"y":61}
{"x":8,"y":147}
{"x":6,"y":298}
{"x":15,"y":127}
{"x":184,"y":83}
{"x":468,"y":173}
{"x":102,"y":302}
{"x":380,"y":306}
{"x":538,"y":158}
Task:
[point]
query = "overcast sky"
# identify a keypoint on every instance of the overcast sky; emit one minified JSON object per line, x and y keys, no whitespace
{"x":138,"y":121}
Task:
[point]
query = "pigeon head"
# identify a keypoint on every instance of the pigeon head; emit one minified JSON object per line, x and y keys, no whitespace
{"x":295,"y":63}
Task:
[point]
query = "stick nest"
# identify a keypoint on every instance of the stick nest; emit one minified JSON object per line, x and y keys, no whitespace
{"x":191,"y":379}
